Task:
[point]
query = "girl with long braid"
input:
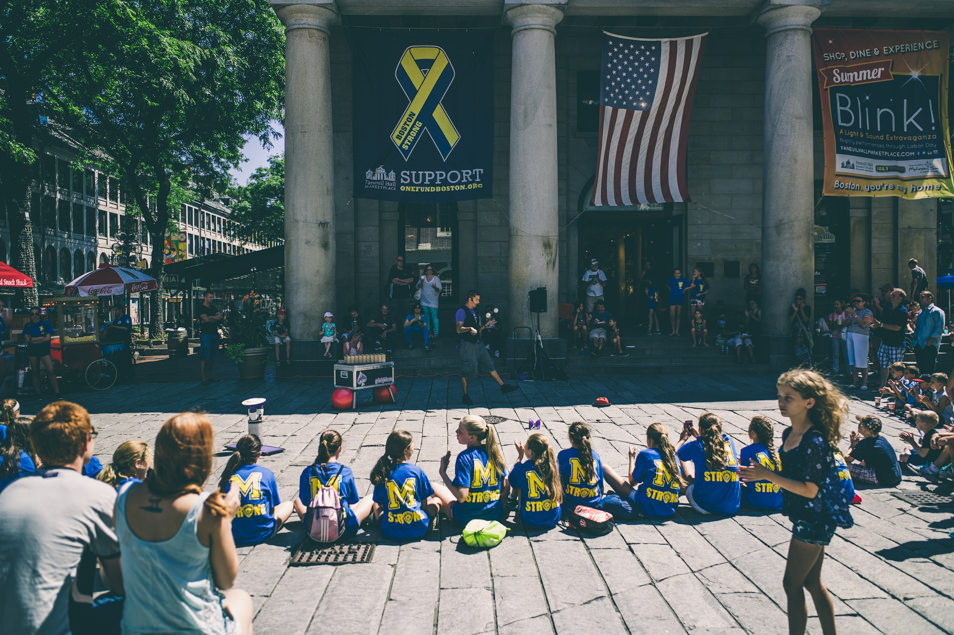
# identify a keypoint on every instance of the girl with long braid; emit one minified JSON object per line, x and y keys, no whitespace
{"x":327,"y":471}
{"x":260,"y":513}
{"x":812,"y":495}
{"x":710,"y":465}
{"x":762,"y":494}
{"x":536,"y":482}
{"x":654,"y":480}
{"x":479,"y":473}
{"x":404,"y":499}
{"x":581,"y":473}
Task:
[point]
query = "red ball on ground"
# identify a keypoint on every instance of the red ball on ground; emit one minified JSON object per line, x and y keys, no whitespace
{"x":342,"y":399}
{"x":385,"y":394}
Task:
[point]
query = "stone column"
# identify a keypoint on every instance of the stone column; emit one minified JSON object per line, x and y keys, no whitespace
{"x":917,"y":238}
{"x":788,"y":251}
{"x":309,"y":170}
{"x":534,"y":213}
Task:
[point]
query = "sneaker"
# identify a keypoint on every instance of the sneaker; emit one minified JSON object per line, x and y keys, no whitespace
{"x":945,"y":473}
{"x":467,"y":400}
{"x":929,"y":471}
{"x":507,"y":388}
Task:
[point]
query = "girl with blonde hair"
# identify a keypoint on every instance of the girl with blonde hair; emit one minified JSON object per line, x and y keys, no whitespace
{"x":654,"y":480}
{"x":479,"y":473}
{"x":536,"y":482}
{"x":130,"y":464}
{"x":812,"y":494}
{"x":711,"y":467}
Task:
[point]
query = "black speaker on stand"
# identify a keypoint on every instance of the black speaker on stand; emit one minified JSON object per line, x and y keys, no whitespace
{"x":538,"y":300}
{"x":543,"y":367}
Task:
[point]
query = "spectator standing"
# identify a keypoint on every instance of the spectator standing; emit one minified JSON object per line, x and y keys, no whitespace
{"x":800,"y":322}
{"x":400,"y":281}
{"x":698,"y":290}
{"x":859,"y":325}
{"x":49,"y":521}
{"x":209,"y":320}
{"x":837,"y":320}
{"x":38,"y":332}
{"x":927,"y":332}
{"x":919,"y":281}
{"x":430,"y":286}
{"x":752,"y":283}
{"x":594,"y":278}
{"x":891,"y":326}
{"x":677,"y":296}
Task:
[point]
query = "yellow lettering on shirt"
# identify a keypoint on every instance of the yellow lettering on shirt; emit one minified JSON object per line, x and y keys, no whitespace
{"x":250,"y":488}
{"x":537,"y":488}
{"x":730,"y":456}
{"x":662,"y":474}
{"x":580,"y":492}
{"x":662,"y":496}
{"x":247,"y":511}
{"x":539,"y":506}
{"x":405,"y":494}
{"x":405,"y":518}
{"x":483,"y":476}
{"x":483,"y":497}
{"x":721,"y":477}
{"x":577,"y":474}
{"x":315,"y":484}
{"x":766,"y":488}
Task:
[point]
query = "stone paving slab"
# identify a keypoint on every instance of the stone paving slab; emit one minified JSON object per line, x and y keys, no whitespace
{"x":890,"y":573}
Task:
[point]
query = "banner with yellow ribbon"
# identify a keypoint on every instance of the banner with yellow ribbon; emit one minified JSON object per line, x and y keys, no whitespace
{"x":423,"y":115}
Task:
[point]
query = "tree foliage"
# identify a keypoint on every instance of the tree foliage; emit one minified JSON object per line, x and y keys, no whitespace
{"x":259,"y":207}
{"x":162,"y":93}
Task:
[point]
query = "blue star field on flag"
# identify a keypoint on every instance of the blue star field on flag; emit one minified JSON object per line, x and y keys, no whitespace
{"x":630,"y":73}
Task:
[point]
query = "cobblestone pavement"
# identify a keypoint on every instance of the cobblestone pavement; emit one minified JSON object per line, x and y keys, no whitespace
{"x":891,"y":573}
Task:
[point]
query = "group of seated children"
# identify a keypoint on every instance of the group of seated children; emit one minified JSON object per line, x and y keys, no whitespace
{"x":597,"y":330}
{"x":542,"y":485}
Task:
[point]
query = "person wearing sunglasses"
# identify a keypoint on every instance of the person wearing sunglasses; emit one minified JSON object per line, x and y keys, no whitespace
{"x":38,"y":333}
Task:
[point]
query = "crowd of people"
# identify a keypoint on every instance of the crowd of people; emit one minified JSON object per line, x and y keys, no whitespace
{"x":166,"y":549}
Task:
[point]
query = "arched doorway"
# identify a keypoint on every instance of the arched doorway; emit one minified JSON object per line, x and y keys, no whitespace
{"x":91,"y":261}
{"x":66,"y":264}
{"x":103,"y":259}
{"x":79,"y":263}
{"x":428,"y":235}
{"x":49,"y":264}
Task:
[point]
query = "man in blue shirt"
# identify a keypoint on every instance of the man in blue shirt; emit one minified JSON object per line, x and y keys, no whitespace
{"x":38,"y":333}
{"x":927,"y":332}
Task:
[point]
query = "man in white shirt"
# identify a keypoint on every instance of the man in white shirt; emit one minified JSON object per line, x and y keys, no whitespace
{"x":594,"y":278}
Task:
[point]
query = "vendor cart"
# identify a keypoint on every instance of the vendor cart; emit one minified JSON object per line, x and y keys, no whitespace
{"x":76,"y":348}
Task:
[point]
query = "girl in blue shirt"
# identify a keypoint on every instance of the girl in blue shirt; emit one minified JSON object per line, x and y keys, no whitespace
{"x":714,"y":470}
{"x":762,"y":494}
{"x":581,"y":473}
{"x":404,"y":499}
{"x":327,"y":471}
{"x":536,"y":482}
{"x":812,"y":496}
{"x":260,"y":513}
{"x":131,"y":463}
{"x":479,"y":473}
{"x":677,"y":296}
{"x":652,"y":487}
{"x":17,"y":458}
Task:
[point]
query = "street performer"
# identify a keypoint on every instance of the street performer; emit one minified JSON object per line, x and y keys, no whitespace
{"x":474,"y":357}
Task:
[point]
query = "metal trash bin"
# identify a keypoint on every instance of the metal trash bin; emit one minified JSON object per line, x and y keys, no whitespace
{"x":178,"y":343}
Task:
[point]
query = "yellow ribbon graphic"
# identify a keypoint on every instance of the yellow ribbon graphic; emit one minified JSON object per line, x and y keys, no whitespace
{"x":425,"y":73}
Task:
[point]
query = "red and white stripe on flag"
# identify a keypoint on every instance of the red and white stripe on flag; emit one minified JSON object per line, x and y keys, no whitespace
{"x":642,"y":151}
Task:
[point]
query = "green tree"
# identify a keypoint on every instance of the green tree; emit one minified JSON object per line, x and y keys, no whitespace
{"x":168,"y":89}
{"x":35,"y":38}
{"x":259,"y":207}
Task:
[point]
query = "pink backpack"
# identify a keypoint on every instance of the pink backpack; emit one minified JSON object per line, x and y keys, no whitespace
{"x":325,"y":520}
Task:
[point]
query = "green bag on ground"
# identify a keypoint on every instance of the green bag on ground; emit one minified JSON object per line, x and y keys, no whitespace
{"x":484,"y":533}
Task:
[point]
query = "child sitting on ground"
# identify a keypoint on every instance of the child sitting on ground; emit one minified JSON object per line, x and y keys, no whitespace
{"x":714,"y":473}
{"x":654,"y":481}
{"x":872,"y":459}
{"x":328,"y":332}
{"x":891,"y":387}
{"x":762,"y":494}
{"x":131,"y":463}
{"x":938,"y":401}
{"x":479,"y":473}
{"x":404,"y":499}
{"x":260,"y":513}
{"x":920,"y":452}
{"x":536,"y":483}
{"x":581,"y":473}
{"x":699,"y":330}
{"x":327,"y":471}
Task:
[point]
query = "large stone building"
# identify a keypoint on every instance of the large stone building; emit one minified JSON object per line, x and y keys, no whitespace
{"x":756,"y":98}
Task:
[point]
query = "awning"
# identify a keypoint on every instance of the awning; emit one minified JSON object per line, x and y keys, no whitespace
{"x":215,"y":267}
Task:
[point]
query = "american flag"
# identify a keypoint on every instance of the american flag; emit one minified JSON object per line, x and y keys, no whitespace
{"x":646,"y":89}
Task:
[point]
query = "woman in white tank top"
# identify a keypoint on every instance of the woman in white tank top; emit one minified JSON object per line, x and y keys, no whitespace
{"x":178,"y":556}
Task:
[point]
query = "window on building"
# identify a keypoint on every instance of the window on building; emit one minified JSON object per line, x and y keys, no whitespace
{"x":49,"y":212}
{"x":122,"y":197}
{"x":587,"y":100}
{"x":77,"y":178}
{"x":79,"y":263}
{"x":79,"y":220}
{"x":113,"y":192}
{"x":90,"y":221}
{"x":48,"y":170}
{"x":113,"y":224}
{"x":49,"y":263}
{"x":90,"y":178}
{"x":90,"y":261}
{"x":62,"y":174}
{"x":429,"y":239}
{"x":101,"y":228}
{"x":63,"y":213}
{"x":66,"y":265}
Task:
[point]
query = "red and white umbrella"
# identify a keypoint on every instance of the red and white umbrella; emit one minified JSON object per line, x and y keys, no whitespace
{"x":111,"y":280}
{"x":10,"y":277}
